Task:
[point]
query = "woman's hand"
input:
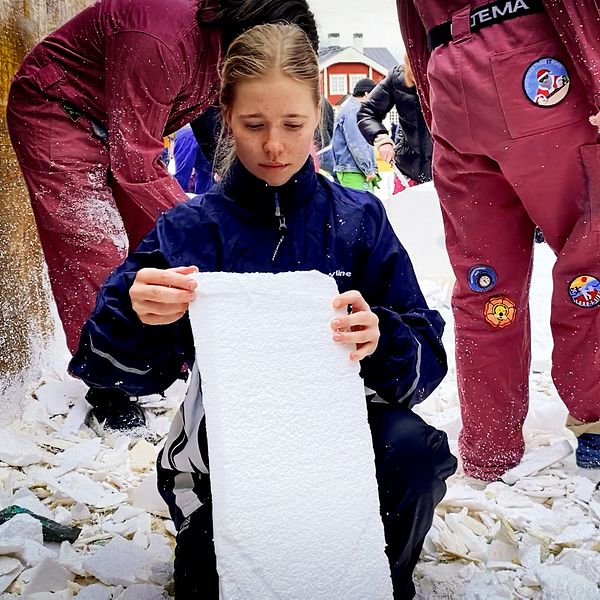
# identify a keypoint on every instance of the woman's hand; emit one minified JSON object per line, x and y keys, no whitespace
{"x":161,"y":296}
{"x":595,"y":120}
{"x":360,"y":328}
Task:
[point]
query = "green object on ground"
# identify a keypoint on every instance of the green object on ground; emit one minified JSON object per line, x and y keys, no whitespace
{"x":51,"y":530}
{"x":357,"y":181}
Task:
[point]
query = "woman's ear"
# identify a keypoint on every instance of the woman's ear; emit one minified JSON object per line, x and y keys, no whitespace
{"x":227,"y":117}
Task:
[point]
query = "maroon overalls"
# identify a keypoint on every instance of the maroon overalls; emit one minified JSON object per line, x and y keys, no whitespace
{"x":86,"y":113}
{"x":504,"y":163}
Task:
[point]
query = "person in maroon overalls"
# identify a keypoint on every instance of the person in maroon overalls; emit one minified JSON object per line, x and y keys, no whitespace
{"x":87,"y":112}
{"x":504,"y":162}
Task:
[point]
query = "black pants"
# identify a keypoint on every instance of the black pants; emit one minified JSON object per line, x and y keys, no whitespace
{"x":412,"y":462}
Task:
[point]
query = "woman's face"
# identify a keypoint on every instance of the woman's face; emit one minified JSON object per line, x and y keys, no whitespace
{"x":272,"y":120}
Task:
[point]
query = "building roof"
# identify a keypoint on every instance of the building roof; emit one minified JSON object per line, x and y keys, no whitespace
{"x":379,"y":58}
{"x":382,"y":56}
{"x":329,"y":52}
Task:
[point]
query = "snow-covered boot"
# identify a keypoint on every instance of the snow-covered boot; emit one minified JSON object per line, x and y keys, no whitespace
{"x":587,"y":454}
{"x":114,"y":409}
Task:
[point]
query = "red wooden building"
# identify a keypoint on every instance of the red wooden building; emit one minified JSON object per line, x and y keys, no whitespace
{"x":341,"y":67}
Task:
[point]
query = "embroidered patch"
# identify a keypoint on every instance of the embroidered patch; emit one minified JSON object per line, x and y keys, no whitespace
{"x":546,"y":82}
{"x":585,"y":291}
{"x":482,"y":278}
{"x":500,"y":311}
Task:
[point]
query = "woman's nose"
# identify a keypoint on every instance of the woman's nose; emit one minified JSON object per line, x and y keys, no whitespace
{"x":273,"y":145}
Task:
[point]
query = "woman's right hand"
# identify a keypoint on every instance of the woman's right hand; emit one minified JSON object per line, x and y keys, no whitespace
{"x":161,"y":296}
{"x":386,"y":151}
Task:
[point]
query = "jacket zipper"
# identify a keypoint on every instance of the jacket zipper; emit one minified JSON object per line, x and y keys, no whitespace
{"x":282,"y":225}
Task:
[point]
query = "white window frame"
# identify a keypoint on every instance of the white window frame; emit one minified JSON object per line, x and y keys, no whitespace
{"x":338,"y":84}
{"x":354,"y":78}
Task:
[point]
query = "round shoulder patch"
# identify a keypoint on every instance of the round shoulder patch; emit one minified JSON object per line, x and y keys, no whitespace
{"x":482,"y":278}
{"x":500,"y":311}
{"x":585,"y":291}
{"x":546,"y":82}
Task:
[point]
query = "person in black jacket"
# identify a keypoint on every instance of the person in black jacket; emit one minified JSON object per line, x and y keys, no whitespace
{"x":412,"y":149}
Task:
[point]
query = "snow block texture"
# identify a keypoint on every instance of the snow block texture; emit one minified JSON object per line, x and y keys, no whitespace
{"x":296,"y":510}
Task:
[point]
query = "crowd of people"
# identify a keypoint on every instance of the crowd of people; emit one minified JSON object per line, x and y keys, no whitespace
{"x":496,"y":102}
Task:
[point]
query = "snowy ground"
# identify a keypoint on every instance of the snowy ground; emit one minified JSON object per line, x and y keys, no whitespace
{"x":537,"y":538}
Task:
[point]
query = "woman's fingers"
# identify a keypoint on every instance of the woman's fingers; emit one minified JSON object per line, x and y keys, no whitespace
{"x":174,"y":278}
{"x":363,"y":350}
{"x":352,"y":297}
{"x":360,"y":328}
{"x":355,"y":320}
{"x":161,"y":296}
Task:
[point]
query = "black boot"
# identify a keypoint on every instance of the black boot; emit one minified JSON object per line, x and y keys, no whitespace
{"x":114,"y":409}
{"x":539,"y":236}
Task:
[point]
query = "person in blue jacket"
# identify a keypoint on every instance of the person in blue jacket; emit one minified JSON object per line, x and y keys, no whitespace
{"x":192,"y":170}
{"x":353,"y":157}
{"x":271,"y":213}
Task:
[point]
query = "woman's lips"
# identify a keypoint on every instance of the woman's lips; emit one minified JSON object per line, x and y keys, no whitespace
{"x":273,"y":165}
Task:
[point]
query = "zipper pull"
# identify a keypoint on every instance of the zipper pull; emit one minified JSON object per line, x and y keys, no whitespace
{"x":282,"y":225}
{"x":280,"y":217}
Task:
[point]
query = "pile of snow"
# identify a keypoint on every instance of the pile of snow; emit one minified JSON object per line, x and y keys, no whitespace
{"x":57,"y":467}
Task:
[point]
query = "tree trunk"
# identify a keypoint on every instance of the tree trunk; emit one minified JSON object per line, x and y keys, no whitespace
{"x":27,"y":327}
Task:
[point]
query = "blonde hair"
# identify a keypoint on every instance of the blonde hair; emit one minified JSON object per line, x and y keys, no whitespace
{"x":409,"y":78}
{"x":263,"y":50}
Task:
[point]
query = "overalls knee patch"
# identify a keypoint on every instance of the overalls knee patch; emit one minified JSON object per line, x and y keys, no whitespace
{"x":584,"y":291}
{"x":482,"y":278}
{"x":500,"y":311}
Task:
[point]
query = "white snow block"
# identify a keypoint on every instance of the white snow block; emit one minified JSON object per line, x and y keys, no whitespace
{"x":9,"y":571}
{"x":18,"y":450}
{"x":537,"y":461}
{"x":416,"y":217}
{"x":296,"y":510}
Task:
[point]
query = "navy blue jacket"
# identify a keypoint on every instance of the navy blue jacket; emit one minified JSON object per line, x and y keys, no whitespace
{"x":233,"y":228}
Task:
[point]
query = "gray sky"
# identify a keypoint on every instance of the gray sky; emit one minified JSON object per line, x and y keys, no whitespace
{"x":377,"y":20}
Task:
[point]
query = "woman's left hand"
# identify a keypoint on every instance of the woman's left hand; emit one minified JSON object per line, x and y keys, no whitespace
{"x":595,"y":120}
{"x":360,"y":328}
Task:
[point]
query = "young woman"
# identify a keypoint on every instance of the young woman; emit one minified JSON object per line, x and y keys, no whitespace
{"x":87,"y":112}
{"x":271,"y":213}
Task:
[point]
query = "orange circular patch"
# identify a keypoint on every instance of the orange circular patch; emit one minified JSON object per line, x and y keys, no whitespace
{"x":500,"y":311}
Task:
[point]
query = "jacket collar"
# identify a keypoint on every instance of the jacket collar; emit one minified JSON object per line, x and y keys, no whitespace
{"x":257,"y":195}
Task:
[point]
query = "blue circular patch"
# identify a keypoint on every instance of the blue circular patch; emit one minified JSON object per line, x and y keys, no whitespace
{"x":546,"y":82}
{"x":482,"y":278}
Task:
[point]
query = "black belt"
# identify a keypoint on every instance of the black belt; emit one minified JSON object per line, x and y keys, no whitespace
{"x":484,"y":16}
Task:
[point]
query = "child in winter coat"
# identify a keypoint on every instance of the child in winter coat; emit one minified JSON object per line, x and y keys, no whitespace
{"x":271,"y":213}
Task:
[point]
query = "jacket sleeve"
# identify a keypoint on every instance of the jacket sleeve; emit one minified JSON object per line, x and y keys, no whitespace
{"x":578,"y":24}
{"x":415,"y":40}
{"x":410,"y":360}
{"x":116,"y":350}
{"x":375,"y":108}
{"x":362,"y":153}
{"x":143,"y":78}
